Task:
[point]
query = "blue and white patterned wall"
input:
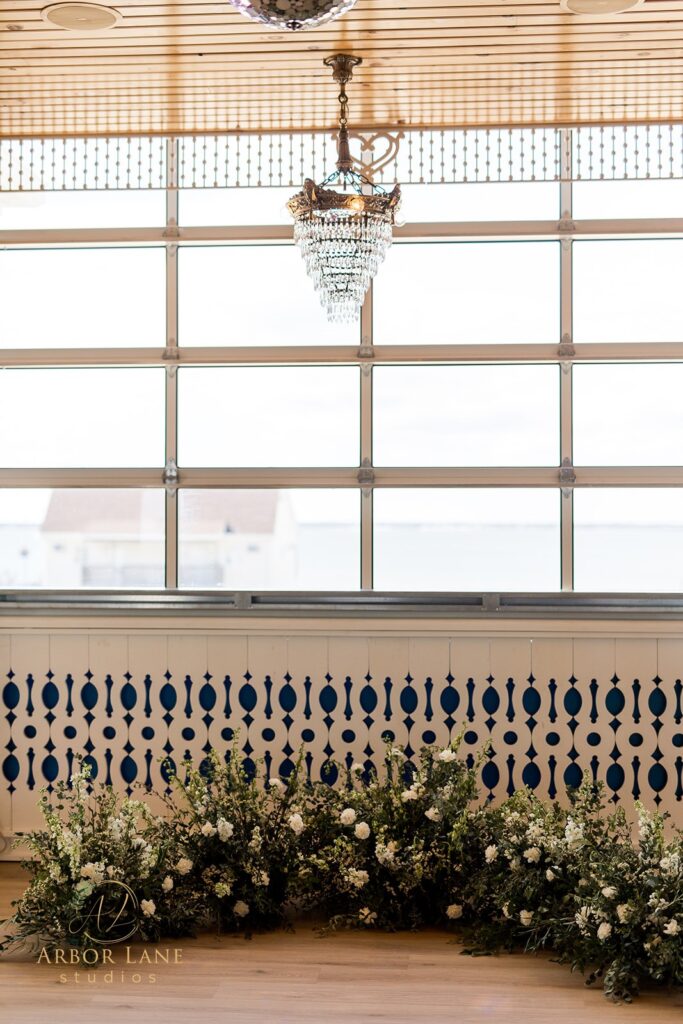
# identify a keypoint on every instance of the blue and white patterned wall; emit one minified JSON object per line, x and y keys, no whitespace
{"x":551,"y":708}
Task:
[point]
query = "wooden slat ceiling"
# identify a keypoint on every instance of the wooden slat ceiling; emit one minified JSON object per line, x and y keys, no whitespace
{"x":203,"y":67}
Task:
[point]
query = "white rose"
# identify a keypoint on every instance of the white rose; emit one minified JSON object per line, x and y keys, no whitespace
{"x":347,"y":816}
{"x":550,"y":875}
{"x":609,"y":892}
{"x":526,"y":917}
{"x":241,"y":909}
{"x":447,"y":755}
{"x":264,"y":878}
{"x":296,"y":823}
{"x":408,"y":794}
{"x":184,"y":866}
{"x":225,"y":829}
{"x":623,"y":912}
{"x":357,"y":878}
{"x":490,"y":853}
{"x":362,"y":830}
{"x":454,"y":911}
{"x":604,"y":931}
{"x":533,"y":855}
{"x":433,"y":813}
{"x":167,"y":884}
{"x":276,"y":783}
{"x":367,"y":916}
{"x":672,"y":927}
{"x":357,"y":767}
{"x":208,"y":829}
{"x":148,"y":907}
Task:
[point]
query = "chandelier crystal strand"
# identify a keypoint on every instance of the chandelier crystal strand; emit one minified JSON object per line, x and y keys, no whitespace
{"x":343,"y":235}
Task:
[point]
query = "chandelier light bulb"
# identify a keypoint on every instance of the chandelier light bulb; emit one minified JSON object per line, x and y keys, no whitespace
{"x":343,"y":235}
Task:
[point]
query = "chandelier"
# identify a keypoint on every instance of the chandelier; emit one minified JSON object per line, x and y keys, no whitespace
{"x":343,"y":235}
{"x":293,"y":15}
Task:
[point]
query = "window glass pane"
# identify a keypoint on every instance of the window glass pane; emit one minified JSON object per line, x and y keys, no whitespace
{"x":628,"y":414}
{"x":82,"y":417}
{"x":468,"y":292}
{"x":95,"y":209}
{"x":252,"y":295}
{"x":220,"y":206}
{"x":269,"y":539}
{"x":628,"y":290}
{"x":269,"y":416}
{"x":628,"y":539}
{"x":59,"y":298}
{"x":481,"y":201}
{"x":455,"y":539}
{"x":466,"y":415}
{"x":616,"y":199}
{"x":74,"y":538}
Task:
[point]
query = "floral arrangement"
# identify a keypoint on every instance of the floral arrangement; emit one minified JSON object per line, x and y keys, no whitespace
{"x":407,"y":847}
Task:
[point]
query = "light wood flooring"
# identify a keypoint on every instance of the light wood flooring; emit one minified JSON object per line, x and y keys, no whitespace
{"x":298,"y":978}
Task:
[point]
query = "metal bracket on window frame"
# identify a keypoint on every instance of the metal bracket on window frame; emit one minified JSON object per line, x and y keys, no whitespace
{"x":171,"y":477}
{"x":566,"y":225}
{"x":567,"y":477}
{"x":566,"y":350}
{"x":365,"y":352}
{"x":366,"y":476}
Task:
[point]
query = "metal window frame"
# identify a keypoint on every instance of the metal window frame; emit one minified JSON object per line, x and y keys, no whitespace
{"x":365,"y":477}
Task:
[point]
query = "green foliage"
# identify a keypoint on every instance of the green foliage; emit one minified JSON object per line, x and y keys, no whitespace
{"x":409,"y":847}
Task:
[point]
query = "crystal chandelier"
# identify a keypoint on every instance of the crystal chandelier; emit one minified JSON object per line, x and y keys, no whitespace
{"x":293,"y":15}
{"x":343,"y":235}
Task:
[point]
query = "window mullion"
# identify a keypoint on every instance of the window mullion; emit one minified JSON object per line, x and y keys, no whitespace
{"x":171,"y":354}
{"x":566,"y":334}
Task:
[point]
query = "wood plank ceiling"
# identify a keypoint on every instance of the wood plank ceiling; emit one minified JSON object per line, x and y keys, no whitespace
{"x":203,"y":67}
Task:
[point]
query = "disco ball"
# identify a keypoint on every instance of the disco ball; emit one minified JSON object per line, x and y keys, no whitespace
{"x":293,"y":15}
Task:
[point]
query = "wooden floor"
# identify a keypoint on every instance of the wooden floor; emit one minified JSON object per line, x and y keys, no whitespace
{"x":283,"y":978}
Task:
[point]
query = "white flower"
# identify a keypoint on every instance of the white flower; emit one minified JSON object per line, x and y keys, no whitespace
{"x":347,"y":816}
{"x":367,"y":916}
{"x":296,"y":823}
{"x":670,"y":864}
{"x":264,"y":878}
{"x":241,"y":909}
{"x":167,"y":884}
{"x":604,"y":931}
{"x":582,"y":918}
{"x":447,"y":755}
{"x":533,"y":855}
{"x":362,"y":830}
{"x":623,"y":912}
{"x":357,"y":767}
{"x":490,"y":853}
{"x":526,"y":917}
{"x":275,"y":783}
{"x":672,"y":927}
{"x":357,"y":878}
{"x":408,"y":794}
{"x":148,"y":907}
{"x":95,"y":872}
{"x":225,"y":829}
{"x":550,"y":875}
{"x":454,"y":911}
{"x":222,"y":889}
{"x":395,"y":752}
{"x":609,"y":892}
{"x":433,"y":813}
{"x":208,"y":829}
{"x":386,"y":853}
{"x":184,"y":866}
{"x":506,"y":910}
{"x":573,"y":834}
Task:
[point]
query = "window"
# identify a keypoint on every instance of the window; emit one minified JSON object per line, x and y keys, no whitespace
{"x":176,"y":411}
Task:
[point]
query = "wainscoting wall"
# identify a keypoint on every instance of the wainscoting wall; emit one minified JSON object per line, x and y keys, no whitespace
{"x":554,"y":700}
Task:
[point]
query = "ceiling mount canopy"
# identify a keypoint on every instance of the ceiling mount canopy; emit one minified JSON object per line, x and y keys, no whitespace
{"x":343,"y":235}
